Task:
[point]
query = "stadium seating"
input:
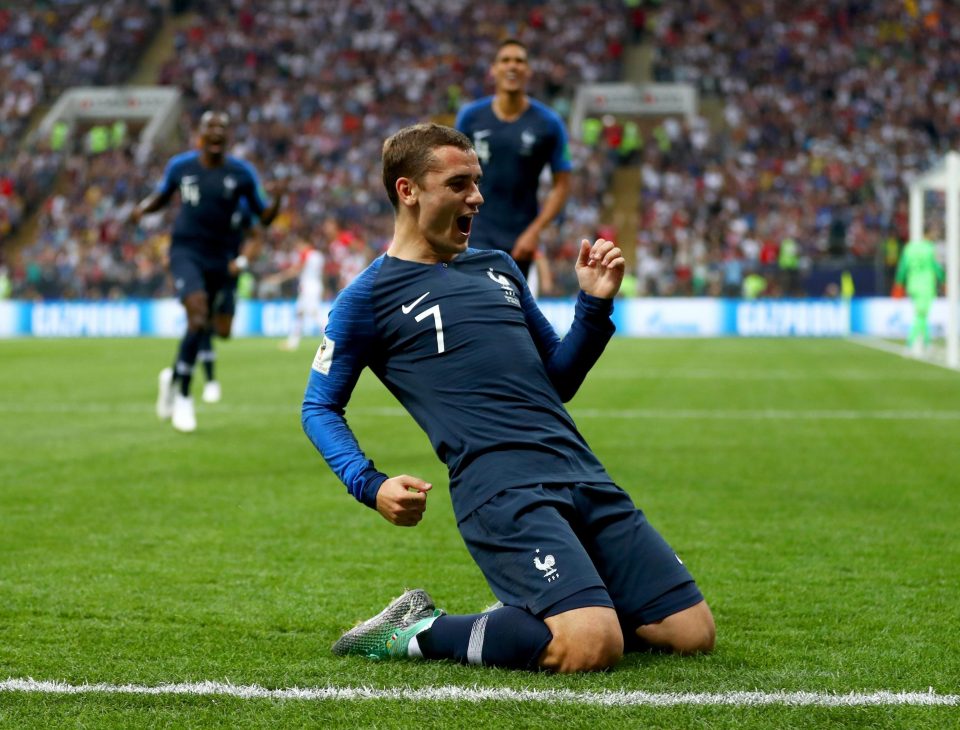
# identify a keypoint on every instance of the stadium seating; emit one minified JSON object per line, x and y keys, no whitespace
{"x":825,"y":110}
{"x":47,"y":49}
{"x":814,"y":118}
{"x":315,"y":112}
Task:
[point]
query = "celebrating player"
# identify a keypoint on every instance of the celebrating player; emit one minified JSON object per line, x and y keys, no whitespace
{"x":246,"y":241}
{"x":515,"y":137}
{"x":455,"y":335}
{"x":203,"y":258}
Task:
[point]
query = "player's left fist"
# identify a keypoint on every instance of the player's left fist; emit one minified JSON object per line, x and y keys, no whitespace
{"x":605,"y":254}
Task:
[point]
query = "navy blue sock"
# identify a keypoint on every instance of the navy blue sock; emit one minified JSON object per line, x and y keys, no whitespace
{"x":206,"y":355}
{"x":186,"y":359}
{"x":507,"y":637}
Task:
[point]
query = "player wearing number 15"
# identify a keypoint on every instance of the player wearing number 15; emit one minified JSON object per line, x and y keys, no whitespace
{"x":214,"y":188}
{"x":456,"y":336}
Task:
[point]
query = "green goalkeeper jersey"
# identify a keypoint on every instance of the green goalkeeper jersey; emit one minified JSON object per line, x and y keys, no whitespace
{"x":918,"y":270}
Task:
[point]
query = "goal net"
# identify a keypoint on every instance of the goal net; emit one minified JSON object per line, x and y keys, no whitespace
{"x":935,"y":202}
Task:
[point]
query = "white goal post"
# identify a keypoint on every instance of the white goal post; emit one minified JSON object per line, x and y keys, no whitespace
{"x":944,"y":177}
{"x":157,"y":106}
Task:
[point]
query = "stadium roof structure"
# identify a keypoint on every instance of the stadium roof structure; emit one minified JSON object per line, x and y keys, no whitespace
{"x":943,"y":177}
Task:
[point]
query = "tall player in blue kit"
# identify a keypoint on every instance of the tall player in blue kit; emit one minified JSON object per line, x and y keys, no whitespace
{"x":214,"y":188}
{"x":515,"y":137}
{"x":455,"y":335}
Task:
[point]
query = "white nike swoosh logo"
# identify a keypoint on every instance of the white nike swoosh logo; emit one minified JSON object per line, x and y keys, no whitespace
{"x":407,"y":308}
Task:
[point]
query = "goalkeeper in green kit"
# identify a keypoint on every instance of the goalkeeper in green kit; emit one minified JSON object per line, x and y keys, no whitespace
{"x":919,"y":273}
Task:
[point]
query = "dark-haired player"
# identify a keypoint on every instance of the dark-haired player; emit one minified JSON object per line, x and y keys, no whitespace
{"x":203,"y":260}
{"x":515,"y":137}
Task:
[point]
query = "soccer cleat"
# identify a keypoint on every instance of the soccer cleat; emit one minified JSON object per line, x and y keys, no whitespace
{"x":184,"y":419}
{"x":165,"y":394}
{"x":211,"y":392}
{"x":493,"y":607}
{"x":387,"y":635}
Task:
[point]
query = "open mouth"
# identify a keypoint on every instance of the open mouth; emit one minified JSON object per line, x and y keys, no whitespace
{"x":464,"y":224}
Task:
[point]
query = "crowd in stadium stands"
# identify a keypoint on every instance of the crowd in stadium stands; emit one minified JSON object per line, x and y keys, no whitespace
{"x":827,"y":110}
{"x":823,"y":111}
{"x":46,"y":48}
{"x":317,"y":114}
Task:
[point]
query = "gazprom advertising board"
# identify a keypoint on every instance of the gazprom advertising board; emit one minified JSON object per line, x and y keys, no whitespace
{"x":680,"y":317}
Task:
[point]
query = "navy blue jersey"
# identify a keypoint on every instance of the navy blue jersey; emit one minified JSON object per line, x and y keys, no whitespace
{"x":209,"y":199}
{"x":240,"y":224}
{"x":465,"y":349}
{"x":512,"y":156}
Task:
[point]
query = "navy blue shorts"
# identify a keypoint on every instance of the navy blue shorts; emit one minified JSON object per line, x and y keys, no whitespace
{"x":553,"y":548}
{"x":192,"y":273}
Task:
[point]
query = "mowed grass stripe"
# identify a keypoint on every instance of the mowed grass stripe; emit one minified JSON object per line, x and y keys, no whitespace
{"x":501,"y":694}
{"x":622,"y":414}
{"x":134,"y":555}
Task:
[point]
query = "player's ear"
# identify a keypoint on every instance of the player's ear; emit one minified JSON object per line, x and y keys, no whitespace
{"x":407,"y":191}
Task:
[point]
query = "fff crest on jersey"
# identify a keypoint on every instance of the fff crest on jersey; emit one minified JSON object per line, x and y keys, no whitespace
{"x":527,"y":140}
{"x":509,"y":293}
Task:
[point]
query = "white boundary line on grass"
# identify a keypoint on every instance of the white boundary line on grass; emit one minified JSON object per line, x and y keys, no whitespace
{"x":936,"y":358}
{"x":499,"y":694}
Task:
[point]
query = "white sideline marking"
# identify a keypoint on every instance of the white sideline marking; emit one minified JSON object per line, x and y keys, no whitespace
{"x":936,"y":355}
{"x":684,"y":414}
{"x":499,"y":694}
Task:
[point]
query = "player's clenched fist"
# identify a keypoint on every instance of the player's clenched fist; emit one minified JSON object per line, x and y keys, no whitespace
{"x":402,"y":500}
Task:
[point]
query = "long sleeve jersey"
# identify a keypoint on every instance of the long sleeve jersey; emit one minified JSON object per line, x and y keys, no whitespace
{"x":465,"y":349}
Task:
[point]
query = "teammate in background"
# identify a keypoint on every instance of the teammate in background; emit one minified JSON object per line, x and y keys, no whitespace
{"x":203,"y":258}
{"x":455,"y":335}
{"x":245,"y":240}
{"x":515,"y":137}
{"x":919,"y":273}
{"x":309,"y":269}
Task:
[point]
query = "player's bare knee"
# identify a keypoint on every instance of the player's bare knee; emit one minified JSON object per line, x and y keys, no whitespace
{"x":690,"y":631}
{"x":698,"y":639}
{"x":594,"y":650}
{"x":697,"y":634}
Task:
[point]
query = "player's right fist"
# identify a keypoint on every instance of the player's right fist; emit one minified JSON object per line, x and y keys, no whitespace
{"x":402,"y":500}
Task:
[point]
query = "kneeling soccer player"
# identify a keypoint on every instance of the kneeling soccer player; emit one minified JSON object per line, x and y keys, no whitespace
{"x":455,"y":335}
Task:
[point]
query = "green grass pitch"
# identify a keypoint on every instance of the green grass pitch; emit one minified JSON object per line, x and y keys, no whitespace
{"x":812,"y":486}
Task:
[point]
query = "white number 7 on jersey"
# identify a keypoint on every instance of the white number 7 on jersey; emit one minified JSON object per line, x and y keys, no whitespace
{"x":438,"y":323}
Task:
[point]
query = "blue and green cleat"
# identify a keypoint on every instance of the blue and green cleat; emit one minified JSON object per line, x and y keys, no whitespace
{"x":387,"y":635}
